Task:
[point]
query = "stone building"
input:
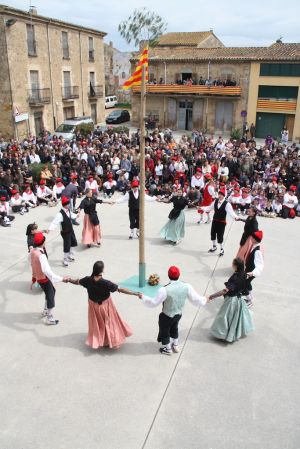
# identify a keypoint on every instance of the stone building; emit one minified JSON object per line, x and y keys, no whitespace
{"x":187,"y":73}
{"x":50,"y":71}
{"x":117,"y":71}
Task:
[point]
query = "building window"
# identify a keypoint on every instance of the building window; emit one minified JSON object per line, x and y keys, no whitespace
{"x":279,"y":69}
{"x":65,"y":45}
{"x":67,"y":84}
{"x":92,"y":84}
{"x":278,"y":92}
{"x":31,"y":42}
{"x":91,"y":49}
{"x":34,"y":84}
{"x":123,"y":75}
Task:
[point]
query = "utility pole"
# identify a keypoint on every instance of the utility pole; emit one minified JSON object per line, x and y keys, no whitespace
{"x":142,"y":263}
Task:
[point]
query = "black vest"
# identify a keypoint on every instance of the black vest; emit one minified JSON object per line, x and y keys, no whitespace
{"x":133,"y":203}
{"x":220,"y":213}
{"x":250,"y":265}
{"x":66,"y":225}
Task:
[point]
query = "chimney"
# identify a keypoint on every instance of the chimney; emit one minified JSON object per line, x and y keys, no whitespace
{"x":33,"y":10}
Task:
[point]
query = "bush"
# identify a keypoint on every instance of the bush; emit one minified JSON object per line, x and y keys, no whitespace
{"x":236,"y":133}
{"x":85,"y":129}
{"x":123,"y":105}
{"x":36,"y":171}
{"x":118,"y":129}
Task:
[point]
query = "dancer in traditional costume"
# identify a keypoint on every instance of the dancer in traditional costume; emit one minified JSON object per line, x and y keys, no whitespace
{"x":235,"y":197}
{"x":234,"y":319}
{"x":134,"y":206}
{"x":29,"y":197}
{"x":290,"y":202}
{"x":44,"y":194}
{"x":221,"y":208}
{"x":58,"y":189}
{"x":174,"y":229}
{"x":92,"y":184}
{"x":44,"y":276}
{"x":105,"y":326}
{"x":64,"y":219}
{"x":209,"y":195}
{"x":172,"y":297}
{"x":251,"y":226}
{"x":5,"y":218}
{"x":254,"y":262}
{"x":91,"y":233}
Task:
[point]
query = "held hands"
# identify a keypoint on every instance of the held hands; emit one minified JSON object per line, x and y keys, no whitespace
{"x":66,"y":279}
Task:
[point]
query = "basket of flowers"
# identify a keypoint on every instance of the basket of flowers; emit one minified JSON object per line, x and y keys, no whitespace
{"x":153,"y":279}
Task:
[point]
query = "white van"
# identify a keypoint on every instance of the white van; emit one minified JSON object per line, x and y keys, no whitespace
{"x":68,"y":128}
{"x":111,"y":101}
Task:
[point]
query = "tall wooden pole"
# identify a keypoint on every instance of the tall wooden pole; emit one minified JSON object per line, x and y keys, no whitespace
{"x":142,"y":263}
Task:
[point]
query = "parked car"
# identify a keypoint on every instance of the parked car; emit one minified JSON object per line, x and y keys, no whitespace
{"x":118,"y":116}
{"x":111,"y":101}
{"x":68,"y":128}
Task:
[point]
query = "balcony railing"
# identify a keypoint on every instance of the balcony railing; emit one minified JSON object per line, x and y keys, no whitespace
{"x":265,"y":104}
{"x":39,"y":96}
{"x":70,"y":92}
{"x":231,"y":91}
{"x":95,"y":92}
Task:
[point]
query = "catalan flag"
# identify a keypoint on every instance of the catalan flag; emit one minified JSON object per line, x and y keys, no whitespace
{"x":136,"y":77}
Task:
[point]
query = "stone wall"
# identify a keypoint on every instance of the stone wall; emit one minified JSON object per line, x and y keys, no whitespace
{"x":50,"y":66}
{"x":6,"y":110}
{"x":204,"y":109}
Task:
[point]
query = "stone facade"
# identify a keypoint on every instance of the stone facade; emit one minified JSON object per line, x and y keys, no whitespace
{"x":182,"y":94}
{"x":204,"y":109}
{"x":117,"y":71}
{"x":34,"y":72}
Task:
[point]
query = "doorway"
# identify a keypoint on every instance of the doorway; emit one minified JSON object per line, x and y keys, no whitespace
{"x":69,"y":112}
{"x":38,"y":123}
{"x":224,"y":116}
{"x":94,"y":112}
{"x":185,"y":115}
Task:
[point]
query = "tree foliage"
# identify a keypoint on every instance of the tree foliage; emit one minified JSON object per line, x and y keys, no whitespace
{"x":142,"y":25}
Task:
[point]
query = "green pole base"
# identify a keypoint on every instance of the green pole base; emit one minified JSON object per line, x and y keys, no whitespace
{"x":142,"y":274}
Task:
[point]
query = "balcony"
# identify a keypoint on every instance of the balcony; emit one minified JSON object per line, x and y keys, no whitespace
{"x":267,"y":104}
{"x":70,"y":92}
{"x":178,"y":89}
{"x":95,"y":92}
{"x":39,"y":97}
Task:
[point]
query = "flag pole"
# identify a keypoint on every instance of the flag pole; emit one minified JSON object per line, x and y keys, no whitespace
{"x":142,"y":262}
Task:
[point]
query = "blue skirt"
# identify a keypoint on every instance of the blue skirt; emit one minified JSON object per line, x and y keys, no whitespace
{"x":174,"y":230}
{"x":233,"y":321}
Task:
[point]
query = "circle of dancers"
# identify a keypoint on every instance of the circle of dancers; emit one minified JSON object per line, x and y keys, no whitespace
{"x":106,"y":328}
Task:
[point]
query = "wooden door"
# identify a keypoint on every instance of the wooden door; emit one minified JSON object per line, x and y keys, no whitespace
{"x":289,"y":123}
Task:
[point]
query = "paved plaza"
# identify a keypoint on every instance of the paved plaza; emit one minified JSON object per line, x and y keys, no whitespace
{"x":56,"y":393}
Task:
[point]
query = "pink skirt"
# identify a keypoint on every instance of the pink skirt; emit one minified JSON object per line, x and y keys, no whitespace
{"x":90,"y":233}
{"x":245,"y":250}
{"x":106,"y":327}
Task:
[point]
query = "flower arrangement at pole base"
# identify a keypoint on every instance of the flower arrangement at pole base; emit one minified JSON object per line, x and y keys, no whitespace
{"x":153,"y":279}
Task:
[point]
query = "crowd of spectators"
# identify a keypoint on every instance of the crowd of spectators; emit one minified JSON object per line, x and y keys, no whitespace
{"x":35,"y":171}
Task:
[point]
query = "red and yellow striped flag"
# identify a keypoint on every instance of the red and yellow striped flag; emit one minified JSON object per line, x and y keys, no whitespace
{"x":136,"y":77}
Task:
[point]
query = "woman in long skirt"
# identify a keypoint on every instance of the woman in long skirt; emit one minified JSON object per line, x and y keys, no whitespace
{"x":105,"y":326}
{"x":91,"y":233}
{"x":234,"y":319}
{"x":174,"y":229}
{"x":251,"y":226}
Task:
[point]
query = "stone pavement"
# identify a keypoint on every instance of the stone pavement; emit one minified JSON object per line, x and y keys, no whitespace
{"x":56,"y":393}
